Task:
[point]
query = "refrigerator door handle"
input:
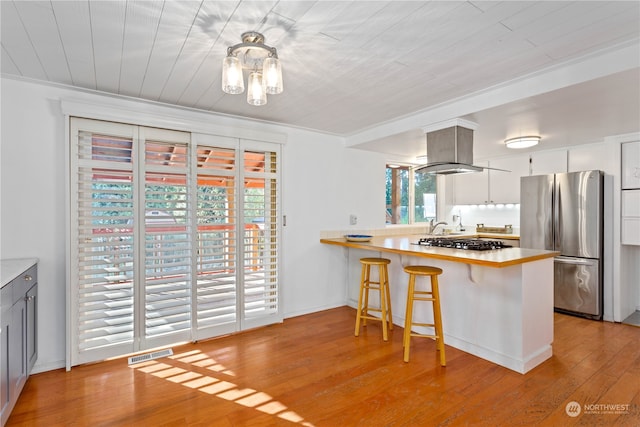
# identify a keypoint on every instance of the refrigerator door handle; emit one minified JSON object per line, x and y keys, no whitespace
{"x":568,"y":260}
{"x":557,"y":218}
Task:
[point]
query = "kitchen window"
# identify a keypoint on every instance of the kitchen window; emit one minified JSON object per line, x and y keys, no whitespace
{"x":174,"y":237}
{"x":410,"y":196}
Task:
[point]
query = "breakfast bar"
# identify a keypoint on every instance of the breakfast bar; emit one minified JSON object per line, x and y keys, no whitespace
{"x":496,"y":304}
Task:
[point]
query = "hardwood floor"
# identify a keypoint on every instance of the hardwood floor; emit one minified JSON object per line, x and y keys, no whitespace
{"x":312,"y":371}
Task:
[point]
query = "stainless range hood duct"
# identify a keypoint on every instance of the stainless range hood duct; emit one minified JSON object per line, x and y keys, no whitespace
{"x":450,"y":150}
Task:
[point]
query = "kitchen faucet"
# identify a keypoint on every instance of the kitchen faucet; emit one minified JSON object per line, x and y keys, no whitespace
{"x":432,"y":226}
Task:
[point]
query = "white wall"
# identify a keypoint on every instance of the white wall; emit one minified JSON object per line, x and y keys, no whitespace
{"x":323,"y":182}
{"x":33,"y":197}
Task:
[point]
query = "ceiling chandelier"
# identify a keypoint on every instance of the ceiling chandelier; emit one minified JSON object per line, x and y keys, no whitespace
{"x":265,"y":75}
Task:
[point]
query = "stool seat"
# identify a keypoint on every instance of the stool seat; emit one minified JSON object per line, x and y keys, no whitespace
{"x":432,"y":296}
{"x":382,"y":286}
{"x":422,"y":270}
{"x":375,"y":261}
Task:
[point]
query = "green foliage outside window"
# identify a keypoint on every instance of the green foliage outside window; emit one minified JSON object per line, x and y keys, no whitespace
{"x":424,"y":184}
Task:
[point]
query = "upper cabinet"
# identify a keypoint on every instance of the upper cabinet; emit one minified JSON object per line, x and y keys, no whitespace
{"x":630,"y":171}
{"x":630,"y":217}
{"x":631,"y":165}
{"x":546,"y":162}
{"x":504,"y":187}
{"x":600,"y":156}
{"x":471,"y":188}
{"x":492,"y":186}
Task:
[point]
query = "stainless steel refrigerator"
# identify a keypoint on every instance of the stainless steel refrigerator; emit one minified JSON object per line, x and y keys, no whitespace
{"x":564,"y":212}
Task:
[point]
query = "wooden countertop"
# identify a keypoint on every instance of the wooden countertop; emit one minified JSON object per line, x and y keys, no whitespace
{"x":405,"y":245}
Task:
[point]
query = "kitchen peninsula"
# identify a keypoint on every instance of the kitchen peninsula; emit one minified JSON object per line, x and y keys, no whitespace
{"x":496,"y":304}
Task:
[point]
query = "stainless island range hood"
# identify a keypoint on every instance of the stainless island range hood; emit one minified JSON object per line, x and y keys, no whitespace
{"x":450,"y":149}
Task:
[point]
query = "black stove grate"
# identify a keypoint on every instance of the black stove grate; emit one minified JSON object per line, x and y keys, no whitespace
{"x":467,"y":244}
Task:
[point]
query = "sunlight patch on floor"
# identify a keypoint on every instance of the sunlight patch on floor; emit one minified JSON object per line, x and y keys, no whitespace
{"x":201,"y":360}
{"x":226,"y":390}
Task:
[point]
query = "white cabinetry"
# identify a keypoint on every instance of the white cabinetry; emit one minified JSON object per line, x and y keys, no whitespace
{"x":590,"y":157}
{"x":492,"y":186}
{"x":471,"y":188}
{"x":630,"y":165}
{"x":630,"y":193}
{"x":504,"y":187}
{"x":546,"y":162}
{"x":630,"y":217}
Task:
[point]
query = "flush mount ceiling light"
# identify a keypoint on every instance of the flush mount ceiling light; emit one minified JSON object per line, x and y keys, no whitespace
{"x":522,"y":142}
{"x":265,"y":75}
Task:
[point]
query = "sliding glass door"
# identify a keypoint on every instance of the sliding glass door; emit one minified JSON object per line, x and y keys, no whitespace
{"x":173,"y":237}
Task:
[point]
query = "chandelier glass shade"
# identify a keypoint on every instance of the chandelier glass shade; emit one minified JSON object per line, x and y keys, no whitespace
{"x":232,"y":81}
{"x":256,"y":93}
{"x":265,"y":71}
{"x":272,"y":75}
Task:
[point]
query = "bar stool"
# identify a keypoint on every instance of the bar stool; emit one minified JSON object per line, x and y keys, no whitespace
{"x":432,"y":296}
{"x":382,"y":286}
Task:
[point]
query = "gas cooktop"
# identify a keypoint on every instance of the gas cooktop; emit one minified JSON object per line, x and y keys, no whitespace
{"x":467,"y":244}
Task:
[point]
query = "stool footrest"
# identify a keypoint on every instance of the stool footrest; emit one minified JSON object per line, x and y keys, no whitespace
{"x":415,"y":334}
{"x":432,"y":325}
{"x":362,"y":316}
{"x":423,"y":299}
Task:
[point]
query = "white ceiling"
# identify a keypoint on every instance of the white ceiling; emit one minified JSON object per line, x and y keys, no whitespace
{"x":349,"y":66}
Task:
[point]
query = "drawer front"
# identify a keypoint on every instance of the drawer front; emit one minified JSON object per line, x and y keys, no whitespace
{"x":631,"y":203}
{"x":24,"y":282}
{"x":630,"y":231}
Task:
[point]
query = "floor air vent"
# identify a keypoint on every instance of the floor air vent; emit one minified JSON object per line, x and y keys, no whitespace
{"x":150,"y":356}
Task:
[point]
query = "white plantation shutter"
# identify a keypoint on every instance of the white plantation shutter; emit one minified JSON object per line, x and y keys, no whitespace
{"x":167,"y":238}
{"x":261,"y":213}
{"x":216,"y":306}
{"x":171,"y":240}
{"x":102,"y":212}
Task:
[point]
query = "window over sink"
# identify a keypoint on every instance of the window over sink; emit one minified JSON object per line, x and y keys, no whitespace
{"x":411,"y":196}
